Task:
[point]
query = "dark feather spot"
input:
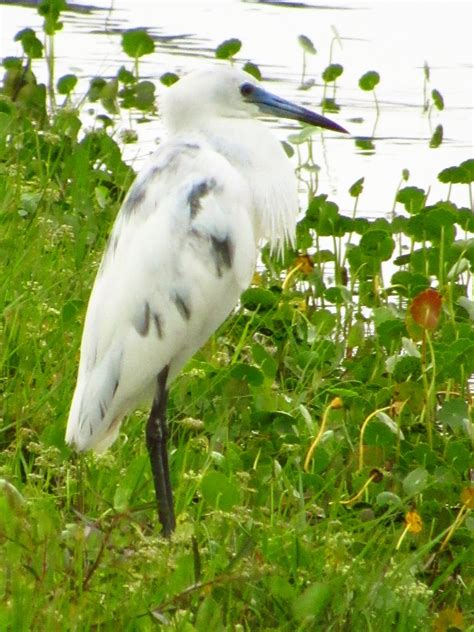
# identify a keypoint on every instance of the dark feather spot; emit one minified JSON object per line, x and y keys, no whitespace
{"x":142,"y":323}
{"x":198,"y":191}
{"x":115,"y":243}
{"x":102,"y":409}
{"x":135,"y":197}
{"x":181,"y":306}
{"x":158,"y":324}
{"x":115,"y":387}
{"x":222,"y":252}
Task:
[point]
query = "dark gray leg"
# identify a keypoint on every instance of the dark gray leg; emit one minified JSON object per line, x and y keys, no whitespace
{"x":156,"y":441}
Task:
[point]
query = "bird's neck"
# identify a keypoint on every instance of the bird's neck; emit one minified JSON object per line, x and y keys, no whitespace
{"x":260,"y":159}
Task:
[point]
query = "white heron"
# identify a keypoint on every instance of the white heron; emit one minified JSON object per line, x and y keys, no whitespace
{"x":183,"y":248}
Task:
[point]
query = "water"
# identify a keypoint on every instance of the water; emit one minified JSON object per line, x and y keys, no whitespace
{"x":393,"y":38}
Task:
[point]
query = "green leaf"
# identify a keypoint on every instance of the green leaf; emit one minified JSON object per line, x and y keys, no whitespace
{"x":219,"y":492}
{"x":324,"y":356}
{"x":51,"y":11}
{"x":464,"y":173}
{"x":329,"y":105}
{"x":455,"y":414}
{"x":426,"y":71}
{"x":356,"y":189}
{"x":312,"y":601}
{"x":209,"y":616}
{"x":407,"y":368}
{"x":467,"y":168}
{"x":356,"y":335}
{"x":324,"y":321}
{"x":303,"y":135}
{"x":108,"y":96}
{"x":228,"y":48}
{"x":366,"y":144}
{"x":129,"y":482}
{"x":32,"y":46}
{"x":137,"y":42}
{"x":251,"y":374}
{"x":95,"y":88}
{"x":381,"y":432}
{"x":324,"y":217}
{"x":145,"y":95}
{"x":389,"y":332}
{"x":256,"y":297}
{"x":332,"y":72}
{"x":369,"y":80}
{"x":415,"y":482}
{"x":437,"y":137}
{"x":126,"y":76}
{"x":12,"y":63}
{"x":412,"y":198}
{"x":266,"y":361}
{"x":169,"y":78}
{"x":253,"y":70}
{"x":288,"y":149}
{"x":437,"y":99}
{"x":388,"y":498}
{"x":436,"y":223}
{"x":339,"y":295}
{"x":306,"y":44}
{"x":66,"y":84}
{"x":377,"y":244}
{"x":409,"y":284}
{"x":459,"y":456}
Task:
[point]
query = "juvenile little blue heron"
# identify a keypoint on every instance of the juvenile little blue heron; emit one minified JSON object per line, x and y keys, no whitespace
{"x":182,"y":249}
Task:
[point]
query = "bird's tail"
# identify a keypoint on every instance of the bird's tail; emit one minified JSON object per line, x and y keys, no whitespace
{"x":94,"y":421}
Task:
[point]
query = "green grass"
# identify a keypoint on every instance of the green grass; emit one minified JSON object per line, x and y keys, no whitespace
{"x":261,"y":543}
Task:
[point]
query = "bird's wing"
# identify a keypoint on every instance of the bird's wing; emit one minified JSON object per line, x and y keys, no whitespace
{"x":181,"y":251}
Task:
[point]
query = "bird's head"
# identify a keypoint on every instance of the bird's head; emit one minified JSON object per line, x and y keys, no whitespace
{"x":226,"y":92}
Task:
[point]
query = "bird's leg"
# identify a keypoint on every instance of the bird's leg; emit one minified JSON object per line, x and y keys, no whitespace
{"x":156,"y":441}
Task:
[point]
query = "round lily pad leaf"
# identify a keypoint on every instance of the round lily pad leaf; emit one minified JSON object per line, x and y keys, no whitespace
{"x":377,"y":244}
{"x":369,"y":80}
{"x":137,"y":42}
{"x":228,"y":48}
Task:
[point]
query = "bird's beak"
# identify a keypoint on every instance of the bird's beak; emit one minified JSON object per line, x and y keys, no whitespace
{"x":269,"y":103}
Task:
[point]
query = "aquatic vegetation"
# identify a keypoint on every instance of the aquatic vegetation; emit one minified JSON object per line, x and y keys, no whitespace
{"x":322,"y":439}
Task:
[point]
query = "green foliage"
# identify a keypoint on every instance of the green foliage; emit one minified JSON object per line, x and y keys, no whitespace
{"x":437,"y":137}
{"x":306,"y":44}
{"x":50,"y":10}
{"x":136,"y":43}
{"x":438,"y":100}
{"x":32,"y":46}
{"x":365,"y":327}
{"x":66,"y":84}
{"x":253,"y":70}
{"x":332,"y":72}
{"x":464,"y":173}
{"x":357,"y":188}
{"x":369,"y":80}
{"x":229,"y":48}
{"x":169,"y":78}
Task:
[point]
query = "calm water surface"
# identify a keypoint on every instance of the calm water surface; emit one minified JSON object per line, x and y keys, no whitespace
{"x":393,"y":38}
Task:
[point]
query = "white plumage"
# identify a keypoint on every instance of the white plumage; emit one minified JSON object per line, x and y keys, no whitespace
{"x":184,"y":245}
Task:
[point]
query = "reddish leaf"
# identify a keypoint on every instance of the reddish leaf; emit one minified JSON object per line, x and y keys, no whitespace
{"x":425,"y":308}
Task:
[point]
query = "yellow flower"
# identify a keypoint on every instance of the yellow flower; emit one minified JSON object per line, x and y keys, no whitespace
{"x":413,"y":522}
{"x":447,"y":619}
{"x":467,"y":497}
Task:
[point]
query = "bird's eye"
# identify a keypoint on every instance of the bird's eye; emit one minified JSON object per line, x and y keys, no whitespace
{"x":246,"y":89}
